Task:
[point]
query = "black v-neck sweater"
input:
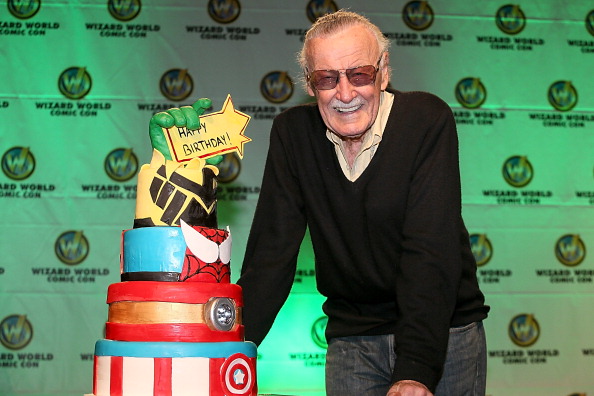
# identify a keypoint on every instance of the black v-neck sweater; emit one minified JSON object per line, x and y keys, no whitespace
{"x":392,"y":254}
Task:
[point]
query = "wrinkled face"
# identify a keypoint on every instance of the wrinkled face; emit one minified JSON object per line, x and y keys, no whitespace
{"x":347,"y":110}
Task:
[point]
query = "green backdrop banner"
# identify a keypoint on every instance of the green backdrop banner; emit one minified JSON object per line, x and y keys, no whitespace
{"x":81,"y":79}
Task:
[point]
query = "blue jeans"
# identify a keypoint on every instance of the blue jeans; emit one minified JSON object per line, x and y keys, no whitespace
{"x":362,"y":365}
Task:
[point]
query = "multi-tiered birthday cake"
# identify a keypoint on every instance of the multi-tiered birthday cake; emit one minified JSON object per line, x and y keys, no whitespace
{"x":174,"y":321}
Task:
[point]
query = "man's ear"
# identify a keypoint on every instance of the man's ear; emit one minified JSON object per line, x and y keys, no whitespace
{"x":384,"y":71}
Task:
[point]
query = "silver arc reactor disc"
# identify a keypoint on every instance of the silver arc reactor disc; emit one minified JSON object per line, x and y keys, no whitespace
{"x":220,"y":313}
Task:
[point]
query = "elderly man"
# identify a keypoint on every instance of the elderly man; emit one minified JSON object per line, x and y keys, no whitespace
{"x":373,"y":172}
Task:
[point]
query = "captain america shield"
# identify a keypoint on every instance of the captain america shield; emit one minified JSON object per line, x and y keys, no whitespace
{"x":238,"y":375}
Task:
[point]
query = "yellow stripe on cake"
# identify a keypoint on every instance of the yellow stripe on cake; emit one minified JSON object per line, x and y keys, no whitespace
{"x":144,"y":312}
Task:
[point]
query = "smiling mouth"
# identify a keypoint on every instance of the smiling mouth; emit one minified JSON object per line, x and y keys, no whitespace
{"x":349,"y":109}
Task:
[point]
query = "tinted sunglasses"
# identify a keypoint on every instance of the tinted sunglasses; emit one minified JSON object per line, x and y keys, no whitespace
{"x":357,"y":76}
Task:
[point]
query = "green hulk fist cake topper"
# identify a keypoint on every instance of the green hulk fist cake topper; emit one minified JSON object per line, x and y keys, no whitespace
{"x":184,"y":133}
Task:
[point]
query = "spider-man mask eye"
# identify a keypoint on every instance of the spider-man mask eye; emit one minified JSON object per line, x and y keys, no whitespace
{"x":207,"y":255}
{"x":205,"y":249}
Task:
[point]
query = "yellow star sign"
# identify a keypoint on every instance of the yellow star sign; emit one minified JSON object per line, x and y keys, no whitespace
{"x":219,"y":133}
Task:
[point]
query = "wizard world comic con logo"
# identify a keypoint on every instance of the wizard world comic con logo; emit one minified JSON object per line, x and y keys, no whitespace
{"x":277,"y":87}
{"x":124,"y":10}
{"x":562,"y":95}
{"x":224,"y":11}
{"x":72,"y":247}
{"x":510,"y":19}
{"x":570,"y":250}
{"x":121,"y":164}
{"x":482,"y":249}
{"x":318,"y":332}
{"x":229,"y":168}
{"x":176,"y":84}
{"x":470,"y":92}
{"x":318,"y":8}
{"x":517,"y":171}
{"x":524,"y":330}
{"x":16,"y":332}
{"x":18,"y":163}
{"x":418,"y":15}
{"x":23,"y":9}
{"x":75,"y":82}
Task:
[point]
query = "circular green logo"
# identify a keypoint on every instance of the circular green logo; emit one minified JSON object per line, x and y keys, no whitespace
{"x":124,"y":10}
{"x":510,"y":19}
{"x":72,"y":247}
{"x":482,"y":250}
{"x":470,"y":92}
{"x":18,"y":163}
{"x":75,"y":82}
{"x":570,"y":250}
{"x":276,"y":87}
{"x":562,"y":95}
{"x":176,"y":84}
{"x":517,"y":171}
{"x":23,"y":9}
{"x":318,"y":332}
{"x":319,"y":8}
{"x":524,"y":330}
{"x":417,"y":15}
{"x":224,"y":11}
{"x":121,"y":164}
{"x":16,"y":332}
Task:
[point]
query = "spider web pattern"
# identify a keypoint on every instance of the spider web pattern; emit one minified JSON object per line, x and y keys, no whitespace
{"x":195,"y":269}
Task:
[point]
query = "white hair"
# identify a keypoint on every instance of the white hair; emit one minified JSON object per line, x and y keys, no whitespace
{"x":333,"y":23}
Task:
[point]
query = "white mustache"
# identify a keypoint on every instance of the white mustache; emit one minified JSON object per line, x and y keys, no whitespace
{"x":339,"y":105}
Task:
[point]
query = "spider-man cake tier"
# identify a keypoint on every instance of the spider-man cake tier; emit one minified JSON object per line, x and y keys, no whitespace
{"x":174,"y":322}
{"x":172,"y":254}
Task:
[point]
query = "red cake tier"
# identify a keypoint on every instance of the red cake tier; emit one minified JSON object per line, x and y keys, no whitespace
{"x":174,"y":312}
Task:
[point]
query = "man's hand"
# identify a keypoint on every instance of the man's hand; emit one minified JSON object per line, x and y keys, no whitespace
{"x":409,"y":388}
{"x":186,"y":116}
